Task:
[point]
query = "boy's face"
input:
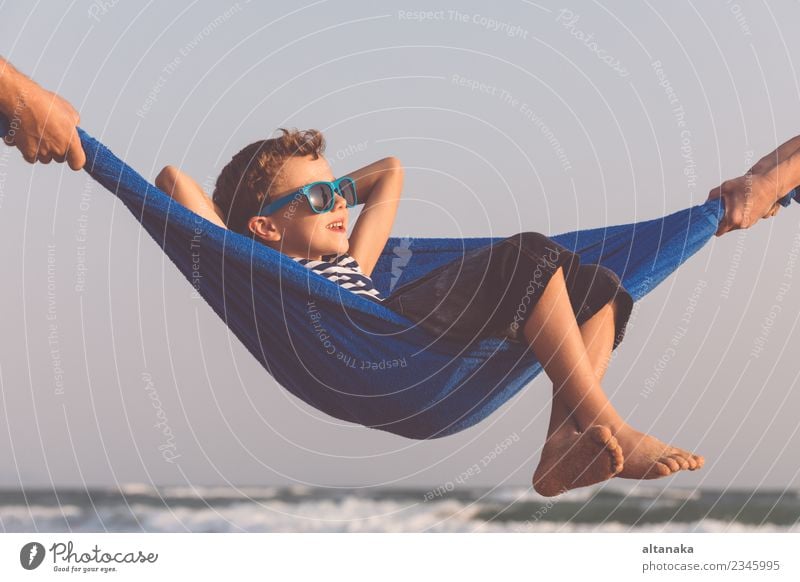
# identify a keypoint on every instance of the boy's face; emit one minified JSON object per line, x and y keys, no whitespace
{"x":295,"y":229}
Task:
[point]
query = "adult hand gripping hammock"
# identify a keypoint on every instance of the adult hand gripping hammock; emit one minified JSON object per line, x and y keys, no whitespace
{"x":353,"y":358}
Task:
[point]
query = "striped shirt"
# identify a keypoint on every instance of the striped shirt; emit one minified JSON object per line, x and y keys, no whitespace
{"x":343,"y":270}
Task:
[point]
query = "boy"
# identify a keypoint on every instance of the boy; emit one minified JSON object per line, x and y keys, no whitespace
{"x":527,"y":287}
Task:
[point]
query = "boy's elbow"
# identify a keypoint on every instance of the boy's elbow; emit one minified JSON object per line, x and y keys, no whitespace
{"x":394,"y":164}
{"x":166,"y":179}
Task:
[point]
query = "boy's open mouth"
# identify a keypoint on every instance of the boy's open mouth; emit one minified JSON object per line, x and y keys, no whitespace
{"x":337,"y":226}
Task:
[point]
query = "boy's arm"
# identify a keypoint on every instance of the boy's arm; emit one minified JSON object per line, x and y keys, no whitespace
{"x":189,"y":193}
{"x":379,"y":186}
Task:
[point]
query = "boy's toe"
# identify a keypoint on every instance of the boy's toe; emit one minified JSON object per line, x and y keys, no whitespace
{"x":660,"y":469}
{"x":671,"y":463}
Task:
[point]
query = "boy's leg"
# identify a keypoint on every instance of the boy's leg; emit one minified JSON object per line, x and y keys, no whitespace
{"x":597,"y":334}
{"x":574,"y":455}
{"x":598,"y":337}
{"x":554,"y":336}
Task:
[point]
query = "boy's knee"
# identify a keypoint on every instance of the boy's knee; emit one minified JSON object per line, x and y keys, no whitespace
{"x":166,"y":179}
{"x":536,"y":242}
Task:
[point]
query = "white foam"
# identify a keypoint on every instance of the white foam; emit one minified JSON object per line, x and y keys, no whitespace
{"x":513,"y":494}
{"x":204,"y":492}
{"x":348,"y":515}
{"x":138,"y":489}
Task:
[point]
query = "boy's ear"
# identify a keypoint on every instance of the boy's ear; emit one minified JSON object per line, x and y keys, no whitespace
{"x":264,"y":228}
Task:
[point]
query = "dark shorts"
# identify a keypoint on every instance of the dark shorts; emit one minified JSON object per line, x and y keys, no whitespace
{"x":492,"y":291}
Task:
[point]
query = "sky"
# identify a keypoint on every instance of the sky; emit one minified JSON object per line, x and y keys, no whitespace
{"x":507,"y":117}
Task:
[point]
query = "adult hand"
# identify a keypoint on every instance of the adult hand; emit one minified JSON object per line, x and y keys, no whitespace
{"x":773,"y":211}
{"x":42,"y":124}
{"x":747,"y":198}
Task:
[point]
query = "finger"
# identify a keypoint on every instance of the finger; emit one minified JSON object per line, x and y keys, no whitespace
{"x":60,"y":156}
{"x":29,"y":155}
{"x":729,"y":225}
{"x":76,"y":157}
{"x":44,"y":158}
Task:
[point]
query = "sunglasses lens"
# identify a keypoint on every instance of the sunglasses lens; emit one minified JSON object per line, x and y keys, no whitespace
{"x":320,"y":196}
{"x":348,"y":191}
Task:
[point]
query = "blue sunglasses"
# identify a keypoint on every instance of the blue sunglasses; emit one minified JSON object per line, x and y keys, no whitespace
{"x":320,"y":196}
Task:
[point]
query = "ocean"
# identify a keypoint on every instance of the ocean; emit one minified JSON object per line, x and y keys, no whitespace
{"x":139,"y":508}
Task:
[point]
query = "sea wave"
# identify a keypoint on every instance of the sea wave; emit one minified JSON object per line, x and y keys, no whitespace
{"x":135,"y":508}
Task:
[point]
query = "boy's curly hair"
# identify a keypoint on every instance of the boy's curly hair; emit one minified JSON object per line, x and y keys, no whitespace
{"x":245,"y":183}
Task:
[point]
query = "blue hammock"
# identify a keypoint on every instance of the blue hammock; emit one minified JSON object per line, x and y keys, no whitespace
{"x":356,"y":359}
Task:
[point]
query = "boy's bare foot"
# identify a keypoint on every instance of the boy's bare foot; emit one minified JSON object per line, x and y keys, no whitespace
{"x":646,"y":457}
{"x":573,"y":459}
